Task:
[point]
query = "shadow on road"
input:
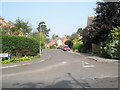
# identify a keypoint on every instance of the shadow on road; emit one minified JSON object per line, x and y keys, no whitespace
{"x":61,"y":84}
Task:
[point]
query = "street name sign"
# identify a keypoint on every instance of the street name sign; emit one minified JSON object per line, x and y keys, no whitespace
{"x":5,"y":54}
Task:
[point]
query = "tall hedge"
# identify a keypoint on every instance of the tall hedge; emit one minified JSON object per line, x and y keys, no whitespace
{"x":20,"y":46}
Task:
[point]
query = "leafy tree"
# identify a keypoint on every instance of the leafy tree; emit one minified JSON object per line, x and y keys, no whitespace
{"x":39,"y":37}
{"x":42,"y":27}
{"x":108,"y":15}
{"x":21,"y":27}
{"x":74,"y":36}
{"x":5,"y":30}
{"x":79,"y":30}
{"x":69,"y":43}
{"x":54,"y":36}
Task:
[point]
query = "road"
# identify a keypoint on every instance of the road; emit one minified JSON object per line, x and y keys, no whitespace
{"x":62,"y":70}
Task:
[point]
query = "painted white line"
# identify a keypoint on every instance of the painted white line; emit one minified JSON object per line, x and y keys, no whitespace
{"x":89,"y":66}
{"x":41,"y":61}
{"x":86,"y":64}
{"x":64,"y":63}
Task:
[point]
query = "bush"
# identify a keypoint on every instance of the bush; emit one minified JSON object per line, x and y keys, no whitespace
{"x":19,"y":46}
{"x":77,"y":44}
{"x":52,"y":47}
{"x":12,"y":60}
{"x":112,"y":45}
{"x":69,"y":43}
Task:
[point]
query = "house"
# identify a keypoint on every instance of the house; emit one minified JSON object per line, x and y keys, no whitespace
{"x":3,"y":23}
{"x":9,"y":25}
{"x":90,"y":20}
{"x":59,"y":41}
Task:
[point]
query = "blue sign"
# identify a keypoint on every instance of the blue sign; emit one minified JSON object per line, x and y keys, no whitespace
{"x":9,"y":54}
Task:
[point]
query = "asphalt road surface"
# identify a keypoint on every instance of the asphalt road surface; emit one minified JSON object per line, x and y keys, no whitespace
{"x":62,"y":70}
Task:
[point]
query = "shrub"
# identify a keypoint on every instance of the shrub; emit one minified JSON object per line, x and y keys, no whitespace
{"x":69,"y":43}
{"x":12,"y":60}
{"x":19,"y":46}
{"x":112,"y":45}
{"x":77,"y":44}
{"x":52,"y":47}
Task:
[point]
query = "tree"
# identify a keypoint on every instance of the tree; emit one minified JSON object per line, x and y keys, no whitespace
{"x":37,"y":36}
{"x":69,"y":43}
{"x":108,"y":16}
{"x":54,"y":36}
{"x":21,"y":27}
{"x":5,"y":30}
{"x":74,"y":36}
{"x":42,"y":27}
{"x":79,"y":30}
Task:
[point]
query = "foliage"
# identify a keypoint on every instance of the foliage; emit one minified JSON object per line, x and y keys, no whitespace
{"x":5,"y":30}
{"x":21,"y":27}
{"x":13,"y":60}
{"x":112,"y":44}
{"x":74,"y":36}
{"x":69,"y":43}
{"x":19,"y":46}
{"x":42,"y":27}
{"x":40,"y":38}
{"x":87,"y":39}
{"x":79,"y":30}
{"x":52,"y":47}
{"x":108,"y":14}
{"x":77,"y":43}
{"x":54,"y":36}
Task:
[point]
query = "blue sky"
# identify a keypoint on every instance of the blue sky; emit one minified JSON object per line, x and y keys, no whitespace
{"x":63,"y":18}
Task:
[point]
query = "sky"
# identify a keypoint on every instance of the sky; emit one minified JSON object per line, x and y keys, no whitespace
{"x":62,"y":18}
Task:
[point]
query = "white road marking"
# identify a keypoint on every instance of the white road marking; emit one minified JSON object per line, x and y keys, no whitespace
{"x":64,"y":63}
{"x":86,"y":64}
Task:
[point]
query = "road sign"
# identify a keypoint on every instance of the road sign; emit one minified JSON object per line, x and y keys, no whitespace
{"x":5,"y":54}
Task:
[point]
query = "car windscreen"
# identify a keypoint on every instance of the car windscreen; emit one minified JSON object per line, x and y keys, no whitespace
{"x":65,"y":47}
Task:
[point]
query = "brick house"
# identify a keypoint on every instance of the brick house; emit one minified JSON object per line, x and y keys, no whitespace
{"x":60,"y":41}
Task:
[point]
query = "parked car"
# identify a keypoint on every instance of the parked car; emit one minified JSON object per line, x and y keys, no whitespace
{"x":59,"y":47}
{"x":65,"y":48}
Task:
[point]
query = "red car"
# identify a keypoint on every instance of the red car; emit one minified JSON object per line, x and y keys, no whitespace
{"x":65,"y":48}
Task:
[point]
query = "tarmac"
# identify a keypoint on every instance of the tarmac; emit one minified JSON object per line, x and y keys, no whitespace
{"x":45,"y":56}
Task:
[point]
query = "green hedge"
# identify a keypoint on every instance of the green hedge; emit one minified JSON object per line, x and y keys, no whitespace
{"x":20,"y":46}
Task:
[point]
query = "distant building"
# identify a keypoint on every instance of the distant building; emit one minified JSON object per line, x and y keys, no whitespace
{"x":3,"y":23}
{"x":11,"y":24}
{"x":90,"y":20}
{"x":57,"y":41}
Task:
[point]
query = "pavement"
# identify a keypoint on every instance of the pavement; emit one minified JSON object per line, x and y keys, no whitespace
{"x":97,"y":58}
{"x":62,"y":70}
{"x":43,"y":58}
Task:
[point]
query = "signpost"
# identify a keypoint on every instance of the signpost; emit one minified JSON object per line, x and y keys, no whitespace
{"x":5,"y":55}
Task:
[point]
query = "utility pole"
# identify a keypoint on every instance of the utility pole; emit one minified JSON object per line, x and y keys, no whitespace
{"x":40,"y":44}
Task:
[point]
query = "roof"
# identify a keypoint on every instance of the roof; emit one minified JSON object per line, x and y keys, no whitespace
{"x":4,"y":23}
{"x":61,"y":38}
